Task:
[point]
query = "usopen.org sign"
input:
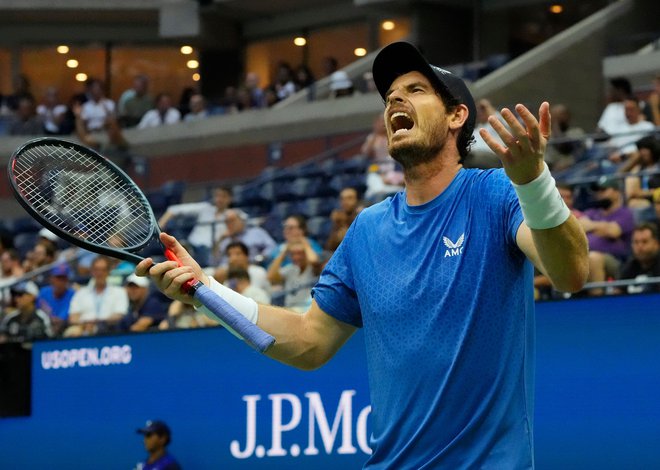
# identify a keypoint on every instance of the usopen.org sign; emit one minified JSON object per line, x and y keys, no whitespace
{"x":87,"y":357}
{"x":342,"y":431}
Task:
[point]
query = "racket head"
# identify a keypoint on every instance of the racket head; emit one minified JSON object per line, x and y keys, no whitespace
{"x":82,"y":197}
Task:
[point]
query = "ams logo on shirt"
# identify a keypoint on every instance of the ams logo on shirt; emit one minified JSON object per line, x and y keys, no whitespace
{"x":453,"y":249}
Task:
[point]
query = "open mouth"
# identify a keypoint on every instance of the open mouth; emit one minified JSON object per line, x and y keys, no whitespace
{"x":401,"y":122}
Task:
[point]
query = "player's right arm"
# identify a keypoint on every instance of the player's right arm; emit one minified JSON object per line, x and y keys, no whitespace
{"x":306,"y":341}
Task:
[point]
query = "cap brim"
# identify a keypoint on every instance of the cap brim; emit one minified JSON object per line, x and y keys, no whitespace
{"x":397,"y":59}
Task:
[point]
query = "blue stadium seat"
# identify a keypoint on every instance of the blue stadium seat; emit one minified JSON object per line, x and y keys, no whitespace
{"x":284,"y":209}
{"x":318,"y":206}
{"x":173,"y":191}
{"x":23,"y":225}
{"x":24,"y":242}
{"x":319,"y":228}
{"x":181,"y":226}
{"x":273,"y":225}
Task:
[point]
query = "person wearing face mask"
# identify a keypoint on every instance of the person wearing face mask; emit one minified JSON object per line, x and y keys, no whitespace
{"x":608,"y":225}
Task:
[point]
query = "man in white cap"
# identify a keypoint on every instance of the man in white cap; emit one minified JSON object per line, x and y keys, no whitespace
{"x":145,"y":309}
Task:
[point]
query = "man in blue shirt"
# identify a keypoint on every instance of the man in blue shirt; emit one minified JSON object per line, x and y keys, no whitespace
{"x":55,"y":298}
{"x":157,"y":437}
{"x":439,"y":276}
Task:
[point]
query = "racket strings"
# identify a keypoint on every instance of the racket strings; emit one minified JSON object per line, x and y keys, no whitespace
{"x":82,"y":196}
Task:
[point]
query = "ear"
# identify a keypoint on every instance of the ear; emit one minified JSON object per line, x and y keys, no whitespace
{"x":458,"y":117}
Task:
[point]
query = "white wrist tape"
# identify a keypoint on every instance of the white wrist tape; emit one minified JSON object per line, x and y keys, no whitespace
{"x":541,"y":203}
{"x":245,"y":306}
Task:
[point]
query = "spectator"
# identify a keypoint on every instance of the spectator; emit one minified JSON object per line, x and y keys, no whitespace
{"x":303,"y":77}
{"x":330,"y":65}
{"x":652,"y":108}
{"x":11,"y":268}
{"x":299,"y":276}
{"x":98,"y":110}
{"x":257,"y":96}
{"x":210,"y":223}
{"x":43,"y":254}
{"x":238,"y":279}
{"x":645,"y":259}
{"x":135,"y":102}
{"x":157,"y":436}
{"x":145,"y":309}
{"x":341,"y":85}
{"x":639,"y":189}
{"x":656,"y":205}
{"x":258,"y":241}
{"x":375,"y":146}
{"x":53,"y":113}
{"x":294,"y":229}
{"x":283,"y":85}
{"x":368,"y":84}
{"x":481,"y":156}
{"x":343,"y":217}
{"x":21,"y":84}
{"x":237,"y":255}
{"x":197,"y":109}
{"x":10,"y":263}
{"x":163,"y":114}
{"x":28,"y":322}
{"x":26,"y":121}
{"x":180,"y":315}
{"x":97,"y":114}
{"x":384,"y":176}
{"x":567,"y":143}
{"x":98,"y":307}
{"x":622,"y":143}
{"x":566,"y":193}
{"x":55,"y":298}
{"x":613,"y":116}
{"x":608,"y":229}
{"x":542,"y":285}
{"x":184,"y":99}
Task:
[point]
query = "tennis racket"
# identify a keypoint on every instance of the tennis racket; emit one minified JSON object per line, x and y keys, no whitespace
{"x":87,"y":200}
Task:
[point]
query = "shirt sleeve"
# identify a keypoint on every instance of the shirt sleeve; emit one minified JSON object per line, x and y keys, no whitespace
{"x":335,"y":291}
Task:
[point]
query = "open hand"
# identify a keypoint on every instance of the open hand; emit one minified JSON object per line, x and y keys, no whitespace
{"x":524,"y":147}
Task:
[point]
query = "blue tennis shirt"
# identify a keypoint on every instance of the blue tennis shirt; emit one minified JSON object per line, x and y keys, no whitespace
{"x":445,"y":297}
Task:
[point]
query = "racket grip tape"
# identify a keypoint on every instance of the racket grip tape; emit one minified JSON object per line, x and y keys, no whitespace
{"x":251,"y":333}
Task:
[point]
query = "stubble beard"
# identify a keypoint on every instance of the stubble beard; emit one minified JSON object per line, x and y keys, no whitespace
{"x":418,"y":153}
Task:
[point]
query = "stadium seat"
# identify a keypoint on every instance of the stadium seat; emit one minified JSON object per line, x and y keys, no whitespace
{"x":24,"y":242}
{"x":23,"y":225}
{"x":318,"y":206}
{"x":319,"y":228}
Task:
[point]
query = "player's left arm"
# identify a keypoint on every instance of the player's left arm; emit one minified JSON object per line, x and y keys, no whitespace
{"x":551,"y":237}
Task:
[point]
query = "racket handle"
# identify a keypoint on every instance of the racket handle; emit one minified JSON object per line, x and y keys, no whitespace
{"x":169,"y":254}
{"x":251,"y":333}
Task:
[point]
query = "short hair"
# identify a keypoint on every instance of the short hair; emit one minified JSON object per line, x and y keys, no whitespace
{"x":465,"y":138}
{"x":242,"y":246}
{"x":238,"y":273}
{"x":623,"y":84}
{"x":650,"y":226}
{"x":302,"y":221}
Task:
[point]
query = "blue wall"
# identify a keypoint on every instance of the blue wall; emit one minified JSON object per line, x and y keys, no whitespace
{"x":597,"y":400}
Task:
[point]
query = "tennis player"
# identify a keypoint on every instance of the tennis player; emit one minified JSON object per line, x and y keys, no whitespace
{"x":439,"y":276}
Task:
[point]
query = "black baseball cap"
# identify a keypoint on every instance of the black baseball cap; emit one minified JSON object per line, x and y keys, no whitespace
{"x":155,"y":426}
{"x":399,"y":58}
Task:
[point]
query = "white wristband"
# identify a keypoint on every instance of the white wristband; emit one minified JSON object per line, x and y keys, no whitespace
{"x":245,"y":306}
{"x":541,"y":203}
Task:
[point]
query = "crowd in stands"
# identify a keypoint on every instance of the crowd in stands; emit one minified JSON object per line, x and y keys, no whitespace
{"x":88,"y":112}
{"x":269,"y":238}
